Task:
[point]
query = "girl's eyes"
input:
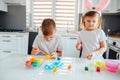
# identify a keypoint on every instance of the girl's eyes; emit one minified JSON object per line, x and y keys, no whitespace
{"x":91,"y":21}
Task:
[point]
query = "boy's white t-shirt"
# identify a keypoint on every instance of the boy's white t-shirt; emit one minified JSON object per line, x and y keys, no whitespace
{"x":48,"y":46}
{"x":91,"y":41}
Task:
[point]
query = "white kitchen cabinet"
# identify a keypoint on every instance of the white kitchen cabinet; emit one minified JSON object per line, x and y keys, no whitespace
{"x":115,"y":5}
{"x":15,"y":2}
{"x":69,"y":49}
{"x":3,"y":6}
{"x":11,"y":42}
{"x":4,"y":54}
{"x":118,"y":5}
{"x":112,"y":7}
{"x":22,"y":43}
{"x":8,"y":43}
{"x":63,"y":38}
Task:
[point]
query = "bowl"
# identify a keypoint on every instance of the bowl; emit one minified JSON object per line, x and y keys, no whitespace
{"x":100,"y":64}
{"x":112,"y":66}
{"x":111,"y":70}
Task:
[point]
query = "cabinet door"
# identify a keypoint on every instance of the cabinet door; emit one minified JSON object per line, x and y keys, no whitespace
{"x":22,"y":43}
{"x":7,"y":41}
{"x":16,"y":2}
{"x":69,"y":49}
{"x":8,"y":44}
{"x":5,"y":53}
{"x":118,"y":5}
{"x":63,"y":38}
{"x":3,"y":6}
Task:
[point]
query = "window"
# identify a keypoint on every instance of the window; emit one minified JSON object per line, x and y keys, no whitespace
{"x":41,"y":9}
{"x":65,"y":14}
{"x":62,"y":11}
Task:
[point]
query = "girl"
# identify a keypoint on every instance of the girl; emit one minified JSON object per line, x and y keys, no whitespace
{"x":92,"y":38}
{"x":48,"y":43}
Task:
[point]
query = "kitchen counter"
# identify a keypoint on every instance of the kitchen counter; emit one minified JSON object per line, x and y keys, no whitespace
{"x":68,"y":34}
{"x":13,"y":67}
{"x":115,"y":38}
{"x":13,"y":32}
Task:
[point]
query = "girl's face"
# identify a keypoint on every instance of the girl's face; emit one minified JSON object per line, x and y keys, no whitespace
{"x":91,"y":23}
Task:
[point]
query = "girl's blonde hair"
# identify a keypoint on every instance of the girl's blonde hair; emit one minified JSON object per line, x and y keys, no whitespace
{"x":90,"y":14}
{"x":48,"y":27}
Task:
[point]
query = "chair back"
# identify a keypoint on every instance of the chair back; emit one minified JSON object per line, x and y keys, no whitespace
{"x":32,"y":36}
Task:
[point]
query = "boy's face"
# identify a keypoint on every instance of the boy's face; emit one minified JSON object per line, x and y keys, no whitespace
{"x":48,"y":38}
{"x":91,"y":23}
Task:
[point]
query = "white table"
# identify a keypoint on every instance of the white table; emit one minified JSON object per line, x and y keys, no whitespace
{"x":13,"y":68}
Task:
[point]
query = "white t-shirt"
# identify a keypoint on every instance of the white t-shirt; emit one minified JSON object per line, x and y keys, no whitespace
{"x":91,"y":41}
{"x":48,"y":46}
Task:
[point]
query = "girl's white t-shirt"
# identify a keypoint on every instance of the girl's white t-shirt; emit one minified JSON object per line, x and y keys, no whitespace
{"x":48,"y":46}
{"x":91,"y":41}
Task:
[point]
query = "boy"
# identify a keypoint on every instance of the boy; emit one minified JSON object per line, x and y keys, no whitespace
{"x":48,"y":43}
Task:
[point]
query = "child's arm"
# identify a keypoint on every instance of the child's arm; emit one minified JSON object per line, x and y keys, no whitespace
{"x":102,"y":49}
{"x":78,"y":45}
{"x":35,"y":51}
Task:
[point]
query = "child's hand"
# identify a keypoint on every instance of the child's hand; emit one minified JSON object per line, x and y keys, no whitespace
{"x":78,"y":46}
{"x":35,"y":51}
{"x":54,"y":55}
{"x":91,"y":55}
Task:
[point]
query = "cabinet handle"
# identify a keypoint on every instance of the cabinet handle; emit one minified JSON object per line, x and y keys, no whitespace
{"x":6,"y":36}
{"x":6,"y":40}
{"x":72,"y":38}
{"x":7,"y":51}
{"x":117,"y":55}
{"x":20,"y":36}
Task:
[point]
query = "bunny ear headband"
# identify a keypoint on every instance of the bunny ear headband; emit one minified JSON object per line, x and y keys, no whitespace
{"x":103,"y":4}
